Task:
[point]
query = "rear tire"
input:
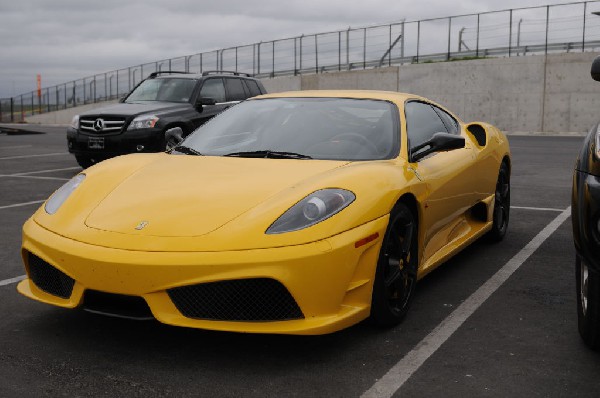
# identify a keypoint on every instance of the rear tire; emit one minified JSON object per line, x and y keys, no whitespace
{"x":396,"y":273}
{"x":588,"y":304}
{"x":501,"y":205}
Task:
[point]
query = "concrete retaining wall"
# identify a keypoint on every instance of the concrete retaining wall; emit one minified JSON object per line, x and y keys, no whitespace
{"x":518,"y":94}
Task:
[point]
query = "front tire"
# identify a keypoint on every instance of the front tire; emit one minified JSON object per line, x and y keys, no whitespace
{"x":84,"y":161}
{"x":396,"y":273}
{"x":588,"y":304}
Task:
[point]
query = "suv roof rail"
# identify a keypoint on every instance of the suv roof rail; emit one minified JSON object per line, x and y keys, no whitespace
{"x":222,"y":72}
{"x":170,"y":72}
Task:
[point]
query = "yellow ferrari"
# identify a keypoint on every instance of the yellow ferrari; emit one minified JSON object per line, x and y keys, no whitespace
{"x":297,"y":213}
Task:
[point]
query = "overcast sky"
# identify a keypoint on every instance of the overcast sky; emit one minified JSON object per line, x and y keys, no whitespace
{"x":64,"y":40}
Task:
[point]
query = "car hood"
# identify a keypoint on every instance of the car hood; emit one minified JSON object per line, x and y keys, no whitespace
{"x":177,"y":196}
{"x":136,"y":108}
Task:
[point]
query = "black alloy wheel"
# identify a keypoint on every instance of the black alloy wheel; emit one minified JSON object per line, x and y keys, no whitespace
{"x":396,"y":274}
{"x":588,"y":303}
{"x":501,"y":205}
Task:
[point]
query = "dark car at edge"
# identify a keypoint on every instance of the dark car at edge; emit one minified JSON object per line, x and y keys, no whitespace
{"x":586,"y":232}
{"x":157,"y":113}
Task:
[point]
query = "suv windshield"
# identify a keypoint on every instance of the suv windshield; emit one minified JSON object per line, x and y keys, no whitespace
{"x":163,"y":89}
{"x":302,"y":128}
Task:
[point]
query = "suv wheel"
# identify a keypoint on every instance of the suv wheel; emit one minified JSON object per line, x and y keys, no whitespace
{"x":84,"y":161}
{"x":588,"y":303}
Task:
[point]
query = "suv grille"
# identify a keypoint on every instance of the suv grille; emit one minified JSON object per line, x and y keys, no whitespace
{"x":49,"y":279}
{"x":101,"y":125}
{"x":258,"y":299}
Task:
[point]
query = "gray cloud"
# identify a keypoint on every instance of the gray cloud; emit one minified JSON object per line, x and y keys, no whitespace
{"x":65,"y":40}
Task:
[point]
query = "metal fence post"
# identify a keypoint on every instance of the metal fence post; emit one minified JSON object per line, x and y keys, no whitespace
{"x":348,"y":48}
{"x":418,"y":39}
{"x":510,"y":23}
{"x":390,"y":46}
{"x":258,"y":59}
{"x":449,"y":37}
{"x":364,"y":48}
{"x":295,"y":56}
{"x":316,"y":56}
{"x":236,"y":59}
{"x":48,"y":99}
{"x":402,"y":44}
{"x":547,"y":23}
{"x":583,"y":35}
{"x":477,"y":45}
{"x":300,"y":53}
{"x":12,"y":109}
{"x":117,"y":84}
{"x":339,"y":50}
{"x":273,"y":64}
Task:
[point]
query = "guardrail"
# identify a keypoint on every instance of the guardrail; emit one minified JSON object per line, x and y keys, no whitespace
{"x":515,"y":32}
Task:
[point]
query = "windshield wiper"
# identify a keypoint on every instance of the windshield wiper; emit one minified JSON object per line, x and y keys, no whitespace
{"x":186,"y":150}
{"x":269,"y":154}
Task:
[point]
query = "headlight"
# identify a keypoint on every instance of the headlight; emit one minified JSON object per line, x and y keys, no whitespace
{"x":143,"y":122}
{"x":62,"y":193}
{"x":75,"y":122}
{"x":311,"y":210}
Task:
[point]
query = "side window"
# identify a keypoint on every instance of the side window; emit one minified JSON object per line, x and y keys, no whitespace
{"x":449,"y":121}
{"x":253,"y":87}
{"x":213,"y":88}
{"x":422,"y":122}
{"x":235,"y":90}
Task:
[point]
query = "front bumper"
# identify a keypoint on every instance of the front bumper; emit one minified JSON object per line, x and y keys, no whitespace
{"x":585,"y":216}
{"x":330,"y":280}
{"x":123,"y":143}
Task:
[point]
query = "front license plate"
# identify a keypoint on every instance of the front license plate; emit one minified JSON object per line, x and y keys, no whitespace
{"x":96,"y":142}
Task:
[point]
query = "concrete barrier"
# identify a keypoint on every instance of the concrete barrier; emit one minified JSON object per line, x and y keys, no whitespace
{"x":553,"y":93}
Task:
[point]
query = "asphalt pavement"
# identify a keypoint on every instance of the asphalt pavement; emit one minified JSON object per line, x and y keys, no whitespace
{"x":518,"y":339}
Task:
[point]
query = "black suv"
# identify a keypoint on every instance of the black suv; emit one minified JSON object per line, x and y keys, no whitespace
{"x":157,"y":113}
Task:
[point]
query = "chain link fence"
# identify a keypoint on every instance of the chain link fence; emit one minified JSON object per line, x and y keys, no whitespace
{"x":516,"y":32}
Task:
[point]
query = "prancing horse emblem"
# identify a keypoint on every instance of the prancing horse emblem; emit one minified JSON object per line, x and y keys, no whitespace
{"x":141,"y":225}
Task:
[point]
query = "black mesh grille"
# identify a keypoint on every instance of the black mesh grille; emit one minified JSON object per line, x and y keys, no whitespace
{"x":118,"y":305}
{"x":258,"y":299}
{"x":49,"y":279}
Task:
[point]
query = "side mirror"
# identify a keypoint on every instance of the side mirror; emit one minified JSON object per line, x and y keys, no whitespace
{"x":596,"y":69}
{"x":173,"y":137}
{"x":203,"y":101}
{"x":438,"y":143}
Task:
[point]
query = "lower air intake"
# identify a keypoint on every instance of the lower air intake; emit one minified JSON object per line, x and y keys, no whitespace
{"x":260,"y":299}
{"x":49,"y":279}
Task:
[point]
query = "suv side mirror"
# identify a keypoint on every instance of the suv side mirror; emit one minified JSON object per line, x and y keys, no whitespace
{"x":202,"y":101}
{"x":596,"y":69}
{"x":438,"y":143}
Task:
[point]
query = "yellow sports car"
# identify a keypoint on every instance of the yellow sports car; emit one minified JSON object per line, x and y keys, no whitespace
{"x":301,"y":212}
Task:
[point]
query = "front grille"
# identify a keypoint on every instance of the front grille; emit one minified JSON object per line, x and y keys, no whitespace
{"x":259,"y":299}
{"x":118,"y":305}
{"x":109,"y":124}
{"x":49,"y":279}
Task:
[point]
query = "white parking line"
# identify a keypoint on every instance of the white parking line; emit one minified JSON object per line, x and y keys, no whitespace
{"x":46,"y":171}
{"x":22,"y":204}
{"x":12,"y":280}
{"x":537,"y":208}
{"x":34,"y":156}
{"x":407,"y":366}
{"x":16,"y":146}
{"x":34,"y":177}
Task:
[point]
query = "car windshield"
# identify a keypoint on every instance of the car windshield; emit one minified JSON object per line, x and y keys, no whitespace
{"x":163,"y":89}
{"x":302,"y":128}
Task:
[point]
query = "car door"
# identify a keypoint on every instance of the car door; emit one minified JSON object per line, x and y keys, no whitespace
{"x":448,"y":178}
{"x":212,"y":88}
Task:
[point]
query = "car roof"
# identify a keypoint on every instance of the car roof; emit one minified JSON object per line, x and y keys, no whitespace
{"x":359,"y":94}
{"x":197,"y":76}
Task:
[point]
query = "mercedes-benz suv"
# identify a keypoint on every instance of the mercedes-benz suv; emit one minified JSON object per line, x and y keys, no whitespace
{"x":165,"y":107}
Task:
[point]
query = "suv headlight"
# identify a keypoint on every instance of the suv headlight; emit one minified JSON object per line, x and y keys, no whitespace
{"x":316,"y":207}
{"x":143,"y":122}
{"x":75,"y":122}
{"x":62,"y":193}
